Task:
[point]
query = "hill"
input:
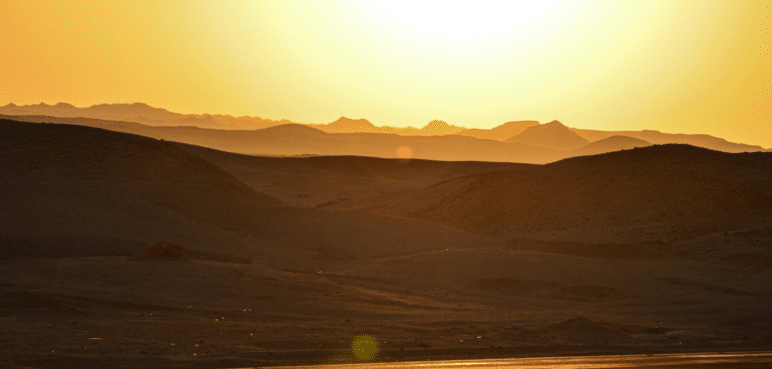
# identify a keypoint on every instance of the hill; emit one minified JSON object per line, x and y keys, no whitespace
{"x":660,"y":138}
{"x":609,"y":144}
{"x":668,"y":191}
{"x":553,"y":135}
{"x":338,"y":181}
{"x":79,"y":182}
{"x":440,"y":128}
{"x":81,"y":186}
{"x":346,"y":125}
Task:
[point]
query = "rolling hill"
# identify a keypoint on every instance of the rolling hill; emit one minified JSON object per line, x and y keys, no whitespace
{"x":82,"y":186}
{"x":632,"y":196}
{"x":609,"y":144}
{"x":338,"y":181}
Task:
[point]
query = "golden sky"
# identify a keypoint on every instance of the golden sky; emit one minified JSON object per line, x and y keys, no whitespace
{"x":672,"y":65}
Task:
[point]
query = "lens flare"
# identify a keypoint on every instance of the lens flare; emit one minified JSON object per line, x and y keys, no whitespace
{"x":365,"y":347}
{"x":404,"y":152}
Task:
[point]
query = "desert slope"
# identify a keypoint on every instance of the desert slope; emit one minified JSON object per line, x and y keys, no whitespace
{"x":339,"y":181}
{"x":632,"y":196}
{"x":83,"y":184}
{"x":610,"y":144}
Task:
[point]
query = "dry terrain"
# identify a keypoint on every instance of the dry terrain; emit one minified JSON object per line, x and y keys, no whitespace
{"x":118,"y":250}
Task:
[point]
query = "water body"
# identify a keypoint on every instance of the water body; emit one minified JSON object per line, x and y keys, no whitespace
{"x":670,"y":361}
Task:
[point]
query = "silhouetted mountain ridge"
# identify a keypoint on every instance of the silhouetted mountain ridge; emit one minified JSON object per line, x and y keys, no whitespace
{"x":550,"y":135}
{"x":502,"y":132}
{"x":139,"y":113}
{"x":298,"y":139}
{"x":609,"y":144}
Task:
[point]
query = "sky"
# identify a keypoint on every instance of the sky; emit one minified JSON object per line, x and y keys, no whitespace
{"x":672,"y":65}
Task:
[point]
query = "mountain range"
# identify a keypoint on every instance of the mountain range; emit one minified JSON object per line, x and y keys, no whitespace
{"x":550,"y":136}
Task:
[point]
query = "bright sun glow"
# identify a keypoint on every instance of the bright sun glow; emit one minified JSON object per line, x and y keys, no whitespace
{"x":674,"y":66}
{"x":462,"y":24}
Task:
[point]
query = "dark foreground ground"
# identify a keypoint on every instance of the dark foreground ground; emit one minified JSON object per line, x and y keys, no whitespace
{"x":122,"y":312}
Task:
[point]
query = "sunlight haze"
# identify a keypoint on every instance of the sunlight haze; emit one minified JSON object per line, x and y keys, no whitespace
{"x":385,"y":184}
{"x":674,"y":66}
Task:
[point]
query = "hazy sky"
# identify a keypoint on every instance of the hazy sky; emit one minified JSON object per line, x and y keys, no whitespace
{"x":671,"y":65}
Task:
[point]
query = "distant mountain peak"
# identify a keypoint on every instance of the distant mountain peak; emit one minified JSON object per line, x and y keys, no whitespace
{"x":439,"y":127}
{"x":64,"y":105}
{"x":343,"y":121}
{"x":348,"y":125}
{"x":552,"y":135}
{"x":437,"y":123}
{"x":502,"y":132}
{"x":518,"y":123}
{"x":517,"y":126}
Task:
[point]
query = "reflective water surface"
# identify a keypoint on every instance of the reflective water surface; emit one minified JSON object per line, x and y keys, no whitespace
{"x":761,"y":359}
